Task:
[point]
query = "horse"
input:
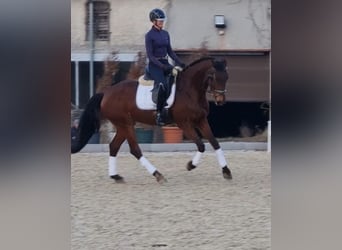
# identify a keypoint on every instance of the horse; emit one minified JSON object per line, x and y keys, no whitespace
{"x":189,"y":111}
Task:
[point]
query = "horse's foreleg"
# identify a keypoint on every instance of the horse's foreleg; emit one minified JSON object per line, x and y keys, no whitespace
{"x":136,"y":151}
{"x":191,"y":134}
{"x":114,"y":147}
{"x":207,"y":133}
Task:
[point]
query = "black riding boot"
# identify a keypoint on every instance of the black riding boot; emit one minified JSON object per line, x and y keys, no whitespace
{"x":159,"y":119}
{"x":161,"y":103}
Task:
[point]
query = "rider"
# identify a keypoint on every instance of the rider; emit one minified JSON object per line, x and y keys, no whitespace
{"x":158,"y":47}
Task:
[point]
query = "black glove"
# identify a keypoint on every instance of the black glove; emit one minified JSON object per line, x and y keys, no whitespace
{"x":167,"y":68}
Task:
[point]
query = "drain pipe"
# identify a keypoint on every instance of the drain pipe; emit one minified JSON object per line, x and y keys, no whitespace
{"x":92,"y":46}
{"x":270,"y":111}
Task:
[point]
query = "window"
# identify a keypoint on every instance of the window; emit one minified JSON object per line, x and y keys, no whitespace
{"x":101,"y":20}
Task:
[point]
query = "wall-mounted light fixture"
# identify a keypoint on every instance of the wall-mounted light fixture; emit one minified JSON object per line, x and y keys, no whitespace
{"x":219,"y":21}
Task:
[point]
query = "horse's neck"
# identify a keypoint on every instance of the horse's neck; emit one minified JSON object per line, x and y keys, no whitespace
{"x":197,"y":74}
{"x":201,"y":66}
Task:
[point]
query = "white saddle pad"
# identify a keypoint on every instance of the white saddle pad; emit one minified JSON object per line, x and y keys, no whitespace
{"x":144,"y":95}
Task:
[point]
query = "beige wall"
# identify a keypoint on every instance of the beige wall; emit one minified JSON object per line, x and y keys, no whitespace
{"x":248,"y":24}
{"x":129,"y":22}
{"x":190,"y":22}
{"x":78,"y":15}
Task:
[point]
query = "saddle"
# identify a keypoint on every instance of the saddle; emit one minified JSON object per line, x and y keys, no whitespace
{"x":146,"y":96}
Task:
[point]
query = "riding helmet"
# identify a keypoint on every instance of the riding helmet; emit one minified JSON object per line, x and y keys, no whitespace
{"x":157,"y":14}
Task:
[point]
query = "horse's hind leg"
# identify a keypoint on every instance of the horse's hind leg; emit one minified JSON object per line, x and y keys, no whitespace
{"x":136,"y":151}
{"x":114,"y":147}
{"x":207,"y":133}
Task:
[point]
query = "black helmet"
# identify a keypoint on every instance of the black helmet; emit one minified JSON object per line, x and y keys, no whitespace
{"x":157,"y":14}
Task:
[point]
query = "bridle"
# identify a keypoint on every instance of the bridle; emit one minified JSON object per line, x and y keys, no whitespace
{"x":215,"y":92}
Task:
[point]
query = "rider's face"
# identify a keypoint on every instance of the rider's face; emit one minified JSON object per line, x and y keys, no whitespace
{"x":159,"y":24}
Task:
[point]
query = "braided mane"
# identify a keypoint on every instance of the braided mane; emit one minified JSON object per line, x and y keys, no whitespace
{"x":198,"y":61}
{"x":219,"y":65}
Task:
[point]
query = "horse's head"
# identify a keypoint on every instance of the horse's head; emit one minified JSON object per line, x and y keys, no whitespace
{"x":217,"y":77}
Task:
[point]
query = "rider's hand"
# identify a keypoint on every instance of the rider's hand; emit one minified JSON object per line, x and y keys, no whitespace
{"x":167,"y":68}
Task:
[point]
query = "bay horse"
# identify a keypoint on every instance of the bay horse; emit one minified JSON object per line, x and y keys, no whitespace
{"x":189,"y":111}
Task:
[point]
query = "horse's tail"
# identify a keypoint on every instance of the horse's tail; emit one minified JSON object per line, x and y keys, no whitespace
{"x":89,"y":123}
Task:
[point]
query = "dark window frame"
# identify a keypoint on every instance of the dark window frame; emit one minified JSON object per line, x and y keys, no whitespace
{"x":101,"y":20}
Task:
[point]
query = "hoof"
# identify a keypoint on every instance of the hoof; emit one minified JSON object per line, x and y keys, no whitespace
{"x":190,"y":167}
{"x":117,"y":178}
{"x":226,"y":173}
{"x":159,"y":177}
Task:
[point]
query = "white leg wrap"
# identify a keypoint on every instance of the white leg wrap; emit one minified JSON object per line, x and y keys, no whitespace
{"x":145,"y":163}
{"x":112,"y":166}
{"x":220,"y":157}
{"x":196,"y":158}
